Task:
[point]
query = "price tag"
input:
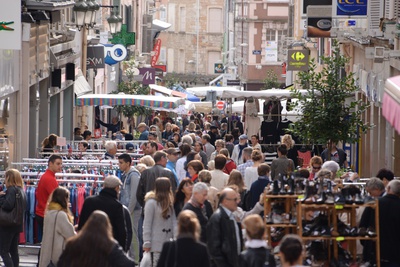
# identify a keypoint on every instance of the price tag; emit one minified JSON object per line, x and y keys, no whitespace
{"x":340,"y":238}
{"x":300,"y":196}
{"x":339,"y":207}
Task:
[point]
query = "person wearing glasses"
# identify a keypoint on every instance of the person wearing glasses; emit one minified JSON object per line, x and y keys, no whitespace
{"x":315,"y":166}
{"x":224,"y":235}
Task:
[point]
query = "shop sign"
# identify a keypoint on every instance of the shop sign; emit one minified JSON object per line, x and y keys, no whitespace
{"x":95,"y":57}
{"x":351,"y":7}
{"x":114,"y":53}
{"x":10,"y":25}
{"x":297,"y":60}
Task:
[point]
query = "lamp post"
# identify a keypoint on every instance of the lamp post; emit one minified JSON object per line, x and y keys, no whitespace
{"x":85,"y":18}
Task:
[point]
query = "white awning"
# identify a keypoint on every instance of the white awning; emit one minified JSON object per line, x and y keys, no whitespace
{"x":81,"y":86}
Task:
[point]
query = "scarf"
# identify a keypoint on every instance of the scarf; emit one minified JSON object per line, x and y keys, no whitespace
{"x":241,"y":147}
{"x":56,"y":206}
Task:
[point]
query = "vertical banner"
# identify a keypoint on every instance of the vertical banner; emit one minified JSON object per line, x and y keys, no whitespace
{"x":10,"y":25}
{"x":156,"y":50}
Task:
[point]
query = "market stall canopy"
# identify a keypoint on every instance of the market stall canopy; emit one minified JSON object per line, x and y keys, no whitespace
{"x":149,"y":101}
{"x":166,"y":91}
{"x":264,"y":94}
{"x":391,"y":102}
{"x":202,"y":91}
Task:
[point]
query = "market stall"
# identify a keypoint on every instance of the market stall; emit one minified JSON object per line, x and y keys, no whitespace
{"x":391,"y":102}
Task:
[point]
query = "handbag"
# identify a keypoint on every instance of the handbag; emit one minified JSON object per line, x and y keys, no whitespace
{"x":51,"y":264}
{"x":15,"y":216}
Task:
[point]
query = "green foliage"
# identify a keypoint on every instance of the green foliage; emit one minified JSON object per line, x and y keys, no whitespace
{"x":131,"y":87}
{"x":271,"y":80}
{"x":330,"y":110}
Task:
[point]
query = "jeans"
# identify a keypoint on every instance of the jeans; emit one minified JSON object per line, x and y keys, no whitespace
{"x":9,"y":246}
{"x":140,"y":235}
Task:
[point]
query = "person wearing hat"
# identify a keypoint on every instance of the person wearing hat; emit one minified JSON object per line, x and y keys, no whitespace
{"x":172,"y":156}
{"x":237,"y":154}
{"x":118,"y":214}
{"x":144,"y":133}
{"x":129,"y":148}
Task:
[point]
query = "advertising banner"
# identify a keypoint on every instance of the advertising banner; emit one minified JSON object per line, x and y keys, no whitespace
{"x":10,"y":25}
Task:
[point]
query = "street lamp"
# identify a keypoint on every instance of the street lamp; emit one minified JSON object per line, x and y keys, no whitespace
{"x":80,"y":9}
{"x":115,"y":22}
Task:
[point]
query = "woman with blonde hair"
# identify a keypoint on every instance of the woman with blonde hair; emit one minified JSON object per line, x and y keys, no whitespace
{"x":94,"y":245}
{"x":167,"y":133}
{"x":186,"y":250}
{"x":315,"y":166}
{"x":147,"y":160}
{"x":9,"y":235}
{"x":159,"y":219}
{"x":251,"y":173}
{"x":291,"y":149}
{"x":58,"y":227}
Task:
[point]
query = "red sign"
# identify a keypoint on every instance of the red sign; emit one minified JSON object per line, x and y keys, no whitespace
{"x":220,"y":105}
{"x":156,"y":50}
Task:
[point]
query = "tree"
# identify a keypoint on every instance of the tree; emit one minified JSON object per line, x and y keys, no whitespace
{"x":330,"y":110}
{"x":132,"y":87}
{"x":271,"y":80}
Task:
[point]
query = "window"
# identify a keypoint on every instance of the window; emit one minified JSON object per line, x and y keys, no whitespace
{"x":215,"y":20}
{"x":170,"y":57}
{"x":181,"y":61}
{"x":171,"y":16}
{"x":163,"y":55}
{"x":182,"y":19}
{"x":163,"y":15}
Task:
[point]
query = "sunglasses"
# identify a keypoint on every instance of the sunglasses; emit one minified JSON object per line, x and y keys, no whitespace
{"x":230,"y":199}
{"x":316,"y":168}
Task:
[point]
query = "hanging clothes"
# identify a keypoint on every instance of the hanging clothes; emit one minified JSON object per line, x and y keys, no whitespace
{"x":251,"y":119}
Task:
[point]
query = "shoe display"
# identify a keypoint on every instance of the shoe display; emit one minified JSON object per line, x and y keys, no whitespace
{"x":283,"y":190}
{"x":275,"y":190}
{"x":339,"y":199}
{"x":358,"y":199}
{"x":290,"y":183}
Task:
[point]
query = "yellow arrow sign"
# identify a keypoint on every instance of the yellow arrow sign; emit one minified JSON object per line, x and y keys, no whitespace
{"x":298,"y":56}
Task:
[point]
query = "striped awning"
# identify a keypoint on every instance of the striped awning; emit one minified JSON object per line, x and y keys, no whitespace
{"x":149,"y":101}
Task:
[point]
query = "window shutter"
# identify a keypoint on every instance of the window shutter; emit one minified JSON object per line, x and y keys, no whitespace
{"x":375,"y":11}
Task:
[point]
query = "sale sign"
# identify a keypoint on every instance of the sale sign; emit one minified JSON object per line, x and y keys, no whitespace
{"x":156,"y":51}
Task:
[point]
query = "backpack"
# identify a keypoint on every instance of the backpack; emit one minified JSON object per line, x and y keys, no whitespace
{"x":246,"y":200}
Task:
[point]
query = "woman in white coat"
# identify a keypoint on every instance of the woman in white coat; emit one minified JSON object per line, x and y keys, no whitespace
{"x":159,"y":220}
{"x":58,"y":227}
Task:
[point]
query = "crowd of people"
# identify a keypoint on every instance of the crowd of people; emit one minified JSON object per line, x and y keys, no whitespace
{"x":194,"y":199}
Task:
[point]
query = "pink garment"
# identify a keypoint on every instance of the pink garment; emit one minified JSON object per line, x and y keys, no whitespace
{"x":306,"y":156}
{"x":391,"y":111}
{"x":81,"y":198}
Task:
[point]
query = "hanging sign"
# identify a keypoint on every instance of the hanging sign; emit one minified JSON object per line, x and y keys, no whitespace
{"x":156,"y":50}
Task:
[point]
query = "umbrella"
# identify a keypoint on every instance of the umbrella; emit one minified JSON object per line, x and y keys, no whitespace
{"x":149,"y":101}
{"x":166,"y":91}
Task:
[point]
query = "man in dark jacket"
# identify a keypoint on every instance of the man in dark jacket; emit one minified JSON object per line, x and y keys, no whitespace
{"x":224,"y":235}
{"x":389,"y":221}
{"x":118,"y":214}
{"x":148,"y":177}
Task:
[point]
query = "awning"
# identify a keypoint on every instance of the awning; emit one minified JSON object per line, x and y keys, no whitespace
{"x":391,"y":102}
{"x":263,"y":94}
{"x":81,"y":86}
{"x":149,"y":101}
{"x":202,"y":91}
{"x":166,"y":91}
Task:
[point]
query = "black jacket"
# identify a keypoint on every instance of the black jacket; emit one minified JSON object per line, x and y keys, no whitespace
{"x":7,"y":203}
{"x":148,"y":180}
{"x":203,"y":214}
{"x":254,"y":257}
{"x":389,"y":221}
{"x":221,"y":240}
{"x":107,"y":201}
{"x":190,"y":253}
